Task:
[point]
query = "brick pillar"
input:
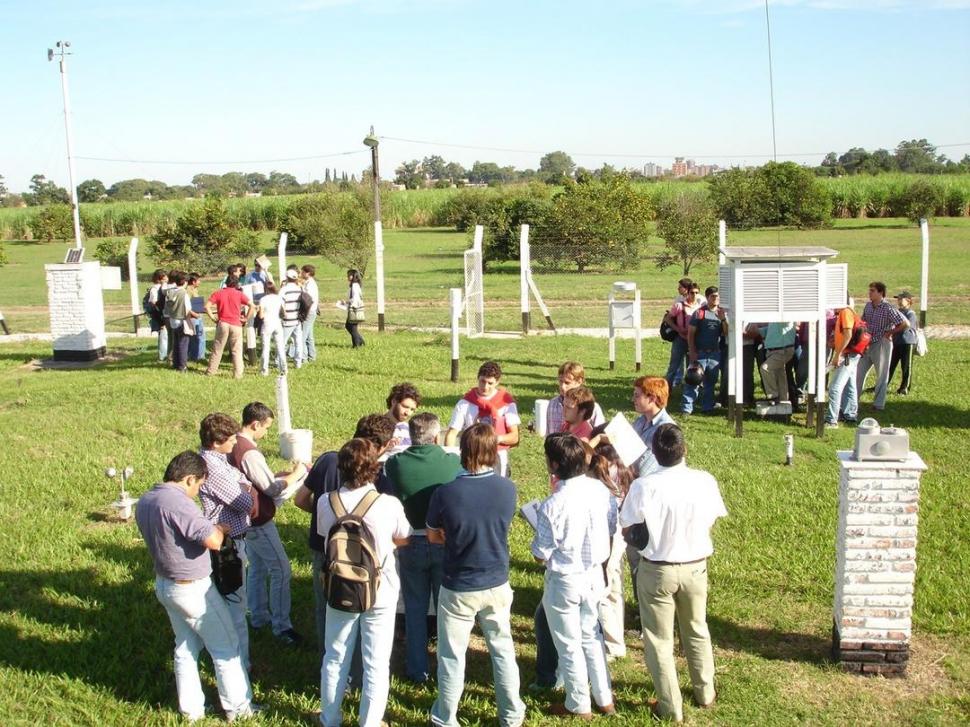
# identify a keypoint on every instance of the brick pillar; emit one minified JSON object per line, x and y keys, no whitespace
{"x":875,"y":563}
{"x":76,"y":308}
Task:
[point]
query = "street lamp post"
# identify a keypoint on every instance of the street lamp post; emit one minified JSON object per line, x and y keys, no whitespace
{"x":371,"y":141}
{"x":62,"y":52}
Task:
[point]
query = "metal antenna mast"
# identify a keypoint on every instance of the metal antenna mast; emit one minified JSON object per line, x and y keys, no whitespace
{"x":62,"y":52}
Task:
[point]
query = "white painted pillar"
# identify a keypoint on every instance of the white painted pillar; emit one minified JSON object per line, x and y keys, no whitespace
{"x":456,"y":306}
{"x":524,"y":276}
{"x":379,"y":259}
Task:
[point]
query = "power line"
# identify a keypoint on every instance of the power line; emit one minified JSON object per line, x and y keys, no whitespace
{"x":239,"y":161}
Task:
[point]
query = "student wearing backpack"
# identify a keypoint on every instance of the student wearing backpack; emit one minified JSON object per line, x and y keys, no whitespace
{"x":362,"y":528}
{"x":152,"y":304}
{"x":291,"y":292}
{"x":842,"y":394}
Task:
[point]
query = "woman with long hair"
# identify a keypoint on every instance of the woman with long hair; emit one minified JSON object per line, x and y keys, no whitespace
{"x":355,"y":307}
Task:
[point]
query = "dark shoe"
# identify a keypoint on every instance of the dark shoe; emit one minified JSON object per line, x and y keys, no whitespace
{"x":902,"y":392}
{"x":559,"y":710}
{"x":607,"y":709}
{"x":290,"y":637}
{"x":850,"y":421}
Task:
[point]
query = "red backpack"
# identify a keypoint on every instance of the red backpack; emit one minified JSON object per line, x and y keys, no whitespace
{"x":860,"y":339}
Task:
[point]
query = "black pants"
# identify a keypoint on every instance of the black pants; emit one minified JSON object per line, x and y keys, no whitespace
{"x":355,"y":338}
{"x":547,"y":658}
{"x":903,"y":355}
{"x":179,"y":347}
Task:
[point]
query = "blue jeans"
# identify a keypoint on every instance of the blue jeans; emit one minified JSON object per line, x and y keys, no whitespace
{"x":376,"y":630}
{"x":547,"y":660}
{"x":294,"y":331}
{"x":197,"y":346}
{"x":678,"y":355}
{"x":200,"y":619}
{"x":711,"y":362}
{"x":422,"y":567}
{"x":268,"y":558}
{"x":309,"y":344}
{"x":457,"y":613}
{"x":571,"y":604}
{"x":163,"y":342}
{"x":237,"y":603}
{"x":320,"y":611}
{"x":843,"y":394}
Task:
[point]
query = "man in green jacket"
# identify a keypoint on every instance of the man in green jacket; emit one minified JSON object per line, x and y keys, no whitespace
{"x":416,"y":473}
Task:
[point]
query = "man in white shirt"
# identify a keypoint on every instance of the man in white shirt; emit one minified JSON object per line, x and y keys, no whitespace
{"x":308,"y":274}
{"x":679,"y":506}
{"x":573,"y":534}
{"x":490,"y":404}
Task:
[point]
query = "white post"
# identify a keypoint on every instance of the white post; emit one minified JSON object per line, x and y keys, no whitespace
{"x":455,"y":321}
{"x":283,"y":423}
{"x":281,"y":257}
{"x":924,"y":284}
{"x":721,"y":240}
{"x":636,"y":328}
{"x":379,"y":260}
{"x":612,"y":333}
{"x":524,"y":276}
{"x":477,"y":240}
{"x":736,"y":325}
{"x":133,"y":280}
{"x":70,"y":143}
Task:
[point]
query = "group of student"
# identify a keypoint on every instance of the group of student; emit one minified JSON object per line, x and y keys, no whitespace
{"x":698,"y":327}
{"x":247,"y":308}
{"x":399,"y":513}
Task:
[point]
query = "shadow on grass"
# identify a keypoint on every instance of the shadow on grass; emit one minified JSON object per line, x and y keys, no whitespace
{"x":770,"y":643}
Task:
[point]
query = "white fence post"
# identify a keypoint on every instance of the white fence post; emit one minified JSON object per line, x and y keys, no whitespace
{"x":136,"y":310}
{"x":524,"y":276}
{"x":281,"y":257}
{"x":455,"y":321}
{"x":379,"y":259}
{"x":924,"y":297}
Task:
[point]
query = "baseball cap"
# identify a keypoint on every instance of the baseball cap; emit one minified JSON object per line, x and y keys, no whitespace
{"x":904,"y":294}
{"x":292,"y":274}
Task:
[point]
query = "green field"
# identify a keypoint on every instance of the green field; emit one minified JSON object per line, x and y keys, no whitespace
{"x":422,"y":264}
{"x":83,"y":641}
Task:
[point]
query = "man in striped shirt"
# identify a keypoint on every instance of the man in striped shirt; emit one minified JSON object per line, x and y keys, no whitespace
{"x":884,"y":321}
{"x":292,"y":327}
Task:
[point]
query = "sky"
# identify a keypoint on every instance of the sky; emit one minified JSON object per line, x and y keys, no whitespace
{"x":182,"y":87}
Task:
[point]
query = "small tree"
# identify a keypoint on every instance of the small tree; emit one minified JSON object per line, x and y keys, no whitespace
{"x":113,"y":252}
{"x":688,"y":225}
{"x":556,"y":167}
{"x":203,"y":238}
{"x":54,"y":221}
{"x":598,"y":224}
{"x":336,"y":225}
{"x":922,"y":199}
{"x":91,"y":190}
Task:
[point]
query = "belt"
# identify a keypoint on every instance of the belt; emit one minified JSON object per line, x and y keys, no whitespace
{"x":780,"y":348}
{"x":185,"y":582}
{"x":686,"y":562}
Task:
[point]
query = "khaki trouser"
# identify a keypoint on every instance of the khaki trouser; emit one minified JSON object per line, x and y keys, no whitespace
{"x":776,"y":381}
{"x":667,"y":592}
{"x":234,"y":335}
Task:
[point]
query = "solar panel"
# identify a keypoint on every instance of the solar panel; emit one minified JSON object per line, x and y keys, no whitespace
{"x":74,"y":255}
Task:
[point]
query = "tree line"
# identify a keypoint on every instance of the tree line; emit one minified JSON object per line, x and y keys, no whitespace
{"x":916,"y":156}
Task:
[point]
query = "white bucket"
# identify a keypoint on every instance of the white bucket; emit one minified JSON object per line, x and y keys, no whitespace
{"x":541,"y":407}
{"x":297,"y":444}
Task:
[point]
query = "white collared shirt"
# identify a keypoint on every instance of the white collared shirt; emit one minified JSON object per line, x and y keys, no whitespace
{"x":679,"y":506}
{"x":574,"y":526}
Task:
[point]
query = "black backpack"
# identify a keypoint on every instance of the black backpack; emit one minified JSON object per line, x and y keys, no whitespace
{"x":352,"y":572}
{"x":227,"y":567}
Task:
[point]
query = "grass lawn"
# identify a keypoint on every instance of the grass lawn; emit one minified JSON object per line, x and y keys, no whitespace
{"x":84,"y":642}
{"x":422,"y":264}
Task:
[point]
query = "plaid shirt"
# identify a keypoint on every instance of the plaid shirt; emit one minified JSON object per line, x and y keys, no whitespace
{"x":881,"y":318}
{"x":554,"y":417}
{"x":575,"y":526}
{"x":225,"y":494}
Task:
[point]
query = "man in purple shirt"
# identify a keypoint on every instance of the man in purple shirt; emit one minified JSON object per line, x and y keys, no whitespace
{"x":179,"y":539}
{"x":227,"y":499}
{"x":884,"y":321}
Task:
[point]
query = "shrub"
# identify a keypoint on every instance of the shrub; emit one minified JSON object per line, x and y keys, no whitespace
{"x":203,"y":238}
{"x":922,"y":199}
{"x":688,"y":226}
{"x":55,"y":221}
{"x":336,"y":225}
{"x":3,"y":256}
{"x":113,"y":252}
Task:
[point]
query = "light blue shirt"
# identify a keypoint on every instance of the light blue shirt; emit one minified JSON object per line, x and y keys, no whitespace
{"x":575,"y":526}
{"x":779,"y":335}
{"x":646,"y":428}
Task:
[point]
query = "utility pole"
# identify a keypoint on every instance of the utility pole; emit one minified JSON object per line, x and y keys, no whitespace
{"x":371,"y":141}
{"x":62,"y":52}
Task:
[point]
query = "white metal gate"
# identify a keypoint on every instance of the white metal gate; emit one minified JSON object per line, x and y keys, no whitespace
{"x":474,"y":293}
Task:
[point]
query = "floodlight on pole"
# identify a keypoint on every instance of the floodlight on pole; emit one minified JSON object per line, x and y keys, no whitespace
{"x":371,"y":141}
{"x":62,"y":53}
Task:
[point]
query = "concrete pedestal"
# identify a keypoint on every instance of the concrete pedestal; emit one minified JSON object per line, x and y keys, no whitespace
{"x":76,"y":308}
{"x":875,"y":564}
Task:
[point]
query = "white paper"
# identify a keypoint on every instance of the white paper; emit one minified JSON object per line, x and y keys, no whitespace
{"x":625,"y":440}
{"x":530,"y":511}
{"x":341,"y":305}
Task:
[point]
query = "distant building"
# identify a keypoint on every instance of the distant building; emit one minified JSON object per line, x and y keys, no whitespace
{"x":679,"y":168}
